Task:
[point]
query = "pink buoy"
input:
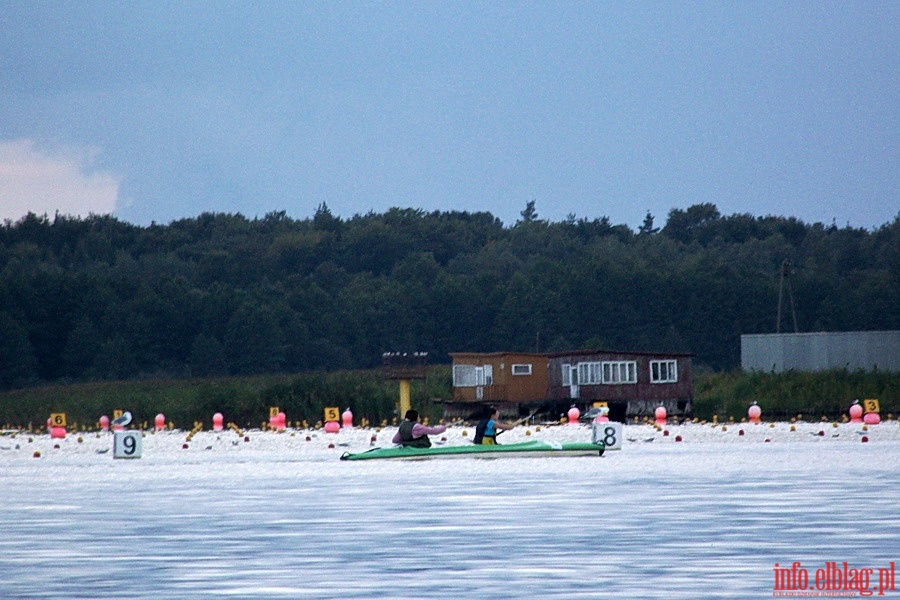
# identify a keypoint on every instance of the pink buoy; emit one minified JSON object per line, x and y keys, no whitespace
{"x":573,"y":415}
{"x":872,"y":419}
{"x":217,"y":421}
{"x":660,"y":415}
{"x":347,"y":419}
{"x":332,"y":427}
{"x":856,"y":413}
{"x":753,"y":413}
{"x":160,"y":422}
{"x":104,"y":423}
{"x":57,"y":432}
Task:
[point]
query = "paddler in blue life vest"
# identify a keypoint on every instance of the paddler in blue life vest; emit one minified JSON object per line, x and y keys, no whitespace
{"x":414,"y":434}
{"x":487,"y":429}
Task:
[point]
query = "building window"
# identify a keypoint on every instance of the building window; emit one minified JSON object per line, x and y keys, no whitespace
{"x":663,"y":371}
{"x":521,"y":369}
{"x":620,"y":372}
{"x":485,"y":375}
{"x":567,"y":375}
{"x":589,"y":373}
{"x":472,"y":376}
{"x":464,"y":376}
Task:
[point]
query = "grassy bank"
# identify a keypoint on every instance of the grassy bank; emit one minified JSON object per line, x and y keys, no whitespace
{"x":786,"y":395}
{"x":246,"y":401}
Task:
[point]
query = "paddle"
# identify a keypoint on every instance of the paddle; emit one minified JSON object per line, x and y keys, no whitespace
{"x":523,"y":419}
{"x":478,"y":414}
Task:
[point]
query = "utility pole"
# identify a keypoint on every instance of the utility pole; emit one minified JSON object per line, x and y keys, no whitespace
{"x":785,"y":275}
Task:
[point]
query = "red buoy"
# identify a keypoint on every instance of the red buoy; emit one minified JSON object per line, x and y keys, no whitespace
{"x":660,"y":415}
{"x":753,"y":413}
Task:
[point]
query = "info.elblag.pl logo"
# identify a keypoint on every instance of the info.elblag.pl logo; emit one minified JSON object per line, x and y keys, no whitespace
{"x":834,"y":577}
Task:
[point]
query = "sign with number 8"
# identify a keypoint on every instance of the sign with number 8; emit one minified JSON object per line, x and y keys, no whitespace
{"x":609,"y":434}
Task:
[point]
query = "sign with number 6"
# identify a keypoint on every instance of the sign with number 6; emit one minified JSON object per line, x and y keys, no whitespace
{"x":127,"y":444}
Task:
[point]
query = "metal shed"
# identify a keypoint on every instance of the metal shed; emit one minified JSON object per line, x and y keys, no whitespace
{"x":851,"y":350}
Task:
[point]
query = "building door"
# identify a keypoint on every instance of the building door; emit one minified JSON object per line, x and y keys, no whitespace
{"x":573,"y":381}
{"x":484,"y":376}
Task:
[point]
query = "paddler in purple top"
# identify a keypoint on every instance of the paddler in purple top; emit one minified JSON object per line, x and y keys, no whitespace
{"x":414,"y":434}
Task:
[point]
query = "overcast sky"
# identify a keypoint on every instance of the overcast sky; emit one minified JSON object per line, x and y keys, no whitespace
{"x":155,"y":111}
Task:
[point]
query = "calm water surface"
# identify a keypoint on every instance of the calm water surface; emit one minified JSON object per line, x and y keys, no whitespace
{"x":652,"y":521}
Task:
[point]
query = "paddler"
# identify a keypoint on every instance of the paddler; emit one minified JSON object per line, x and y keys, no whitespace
{"x":487,"y":429}
{"x":414,"y":434}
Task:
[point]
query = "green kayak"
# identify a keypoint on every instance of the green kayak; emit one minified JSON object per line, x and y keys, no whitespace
{"x":533,"y":448}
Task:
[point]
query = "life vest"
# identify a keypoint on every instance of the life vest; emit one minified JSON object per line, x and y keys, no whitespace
{"x":407,"y":439}
{"x":481,"y":432}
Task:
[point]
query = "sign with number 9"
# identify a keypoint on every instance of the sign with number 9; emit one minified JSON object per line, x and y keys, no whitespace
{"x":127,"y":444}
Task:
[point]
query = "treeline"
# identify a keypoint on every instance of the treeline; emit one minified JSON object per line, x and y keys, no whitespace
{"x":88,"y":299}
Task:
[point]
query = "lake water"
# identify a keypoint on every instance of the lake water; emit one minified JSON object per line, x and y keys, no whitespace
{"x":275,"y":518}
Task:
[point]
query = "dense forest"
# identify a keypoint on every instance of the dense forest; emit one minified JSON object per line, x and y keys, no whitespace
{"x":96,"y":298}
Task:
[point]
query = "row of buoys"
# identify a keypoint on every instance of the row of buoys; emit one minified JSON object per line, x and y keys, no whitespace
{"x":278,"y":422}
{"x":754,"y":413}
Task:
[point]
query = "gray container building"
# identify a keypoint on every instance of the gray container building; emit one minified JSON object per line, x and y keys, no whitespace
{"x":851,"y":350}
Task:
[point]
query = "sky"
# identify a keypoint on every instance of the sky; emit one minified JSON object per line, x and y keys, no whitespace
{"x":159,"y":111}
